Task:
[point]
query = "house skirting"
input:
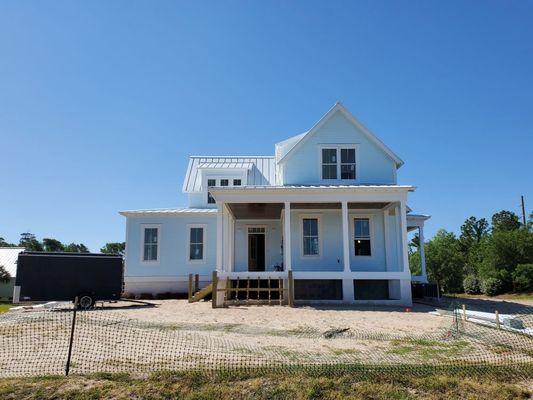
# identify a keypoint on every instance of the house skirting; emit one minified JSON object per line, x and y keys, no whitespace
{"x":160,"y":284}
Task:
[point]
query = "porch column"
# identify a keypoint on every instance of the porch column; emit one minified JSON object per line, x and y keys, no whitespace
{"x":403,"y":235}
{"x":345,"y":237}
{"x":219,"y":236}
{"x":287,"y":236}
{"x":422,"y":253}
{"x":405,"y":284}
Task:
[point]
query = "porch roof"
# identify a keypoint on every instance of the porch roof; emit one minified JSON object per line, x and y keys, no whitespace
{"x":169,"y":212}
{"x":292,"y":188}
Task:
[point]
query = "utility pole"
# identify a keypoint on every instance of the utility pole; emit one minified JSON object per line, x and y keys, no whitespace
{"x":523,"y":211}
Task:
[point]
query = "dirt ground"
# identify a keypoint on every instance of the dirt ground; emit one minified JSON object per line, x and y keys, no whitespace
{"x":387,"y":320}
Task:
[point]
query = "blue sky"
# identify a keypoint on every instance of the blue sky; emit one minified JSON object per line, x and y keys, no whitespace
{"x":101,"y":102}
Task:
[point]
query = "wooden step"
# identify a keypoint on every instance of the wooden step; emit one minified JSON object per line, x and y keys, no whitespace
{"x":202,"y":293}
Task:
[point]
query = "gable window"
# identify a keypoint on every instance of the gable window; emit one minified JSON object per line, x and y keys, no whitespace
{"x":362,"y":241}
{"x":338,"y":163}
{"x":347,"y":163}
{"x":236,"y":182}
{"x":329,"y":163}
{"x":196,"y":243}
{"x":224,"y":182}
{"x":210,"y":183}
{"x":150,"y":250}
{"x":310,"y":237}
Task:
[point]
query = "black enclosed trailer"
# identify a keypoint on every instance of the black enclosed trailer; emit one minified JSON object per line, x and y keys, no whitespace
{"x":43,"y":276}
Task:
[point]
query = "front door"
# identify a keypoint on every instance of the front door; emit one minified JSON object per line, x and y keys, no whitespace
{"x":256,"y":252}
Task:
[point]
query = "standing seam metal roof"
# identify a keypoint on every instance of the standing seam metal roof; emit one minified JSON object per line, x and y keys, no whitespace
{"x":261,"y":169}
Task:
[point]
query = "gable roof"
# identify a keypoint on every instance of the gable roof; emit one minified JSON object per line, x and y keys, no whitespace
{"x":301,"y":139}
{"x":261,"y":170}
{"x":9,"y":257}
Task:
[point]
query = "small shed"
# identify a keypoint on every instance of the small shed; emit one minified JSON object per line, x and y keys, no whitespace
{"x":8,"y":259}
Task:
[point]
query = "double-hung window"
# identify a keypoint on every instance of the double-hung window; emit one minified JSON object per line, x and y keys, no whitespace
{"x":338,"y":162}
{"x":236,"y":182}
{"x":348,"y":164}
{"x":150,"y":251}
{"x":196,"y":243}
{"x":310,"y":237}
{"x":362,"y":240}
{"x":329,"y":163}
{"x":224,"y":182}
{"x":210,"y":198}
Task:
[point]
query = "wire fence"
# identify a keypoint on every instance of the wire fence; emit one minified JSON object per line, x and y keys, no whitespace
{"x":37,"y":342}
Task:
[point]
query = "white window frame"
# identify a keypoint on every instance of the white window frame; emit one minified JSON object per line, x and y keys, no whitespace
{"x":151,"y":226}
{"x":188,"y":243}
{"x":370,"y":218}
{"x":338,"y":148}
{"x":301,"y":218}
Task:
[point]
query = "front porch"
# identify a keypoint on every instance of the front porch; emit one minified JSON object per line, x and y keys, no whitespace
{"x":339,"y":246}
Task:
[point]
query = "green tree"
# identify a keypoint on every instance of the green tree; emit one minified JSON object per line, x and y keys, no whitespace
{"x":4,"y":275}
{"x":503,"y":251}
{"x":445,"y":261}
{"x":505,"y":221}
{"x":30,"y":242}
{"x":53,"y":245}
{"x":473,"y":231}
{"x":3,"y":243}
{"x":114,"y":248}
{"x":76,"y":248}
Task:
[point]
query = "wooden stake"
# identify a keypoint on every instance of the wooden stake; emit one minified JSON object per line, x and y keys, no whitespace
{"x":248,"y":288}
{"x":196,"y":283}
{"x":190,"y":288}
{"x":280,"y":291}
{"x":215,"y":290}
{"x":291,"y":290}
{"x":464,"y":312}
{"x":269,"y":291}
{"x":497,"y":314}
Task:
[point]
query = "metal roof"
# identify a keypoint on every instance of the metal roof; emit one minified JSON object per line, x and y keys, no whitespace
{"x":261,"y":169}
{"x":303,"y":187}
{"x":9,"y":257}
{"x":169,"y":211}
{"x":226,"y":164}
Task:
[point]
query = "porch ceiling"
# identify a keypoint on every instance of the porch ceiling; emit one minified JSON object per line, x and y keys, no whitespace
{"x":273,"y":210}
{"x":256,"y":210}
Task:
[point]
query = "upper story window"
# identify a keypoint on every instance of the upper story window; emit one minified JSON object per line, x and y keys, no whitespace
{"x":224,"y":182}
{"x":196,"y":243}
{"x":362,"y":240}
{"x":329,"y":163}
{"x":236,"y":182}
{"x":333,"y":169}
{"x":210,"y":199}
{"x":347,"y":163}
{"x":310,"y":237}
{"x":150,"y":250}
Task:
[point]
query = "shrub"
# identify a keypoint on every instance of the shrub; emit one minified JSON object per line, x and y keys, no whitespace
{"x":471,"y":284}
{"x":523,"y":278}
{"x":145,"y":296}
{"x":492,"y":286}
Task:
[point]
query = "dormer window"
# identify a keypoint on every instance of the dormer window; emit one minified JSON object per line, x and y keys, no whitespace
{"x":210,"y":183}
{"x":332,"y":169}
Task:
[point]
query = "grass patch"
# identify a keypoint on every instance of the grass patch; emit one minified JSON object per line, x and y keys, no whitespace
{"x":300,"y":385}
{"x":506,"y":296}
{"x":4,"y":307}
{"x":429,"y":350}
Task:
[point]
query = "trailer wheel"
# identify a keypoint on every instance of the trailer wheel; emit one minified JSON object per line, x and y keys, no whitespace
{"x":86,"y":302}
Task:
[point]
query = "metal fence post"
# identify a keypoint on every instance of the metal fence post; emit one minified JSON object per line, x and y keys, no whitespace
{"x":67,"y":367}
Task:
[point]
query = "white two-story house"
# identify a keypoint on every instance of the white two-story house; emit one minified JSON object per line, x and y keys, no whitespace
{"x":326,"y":206}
